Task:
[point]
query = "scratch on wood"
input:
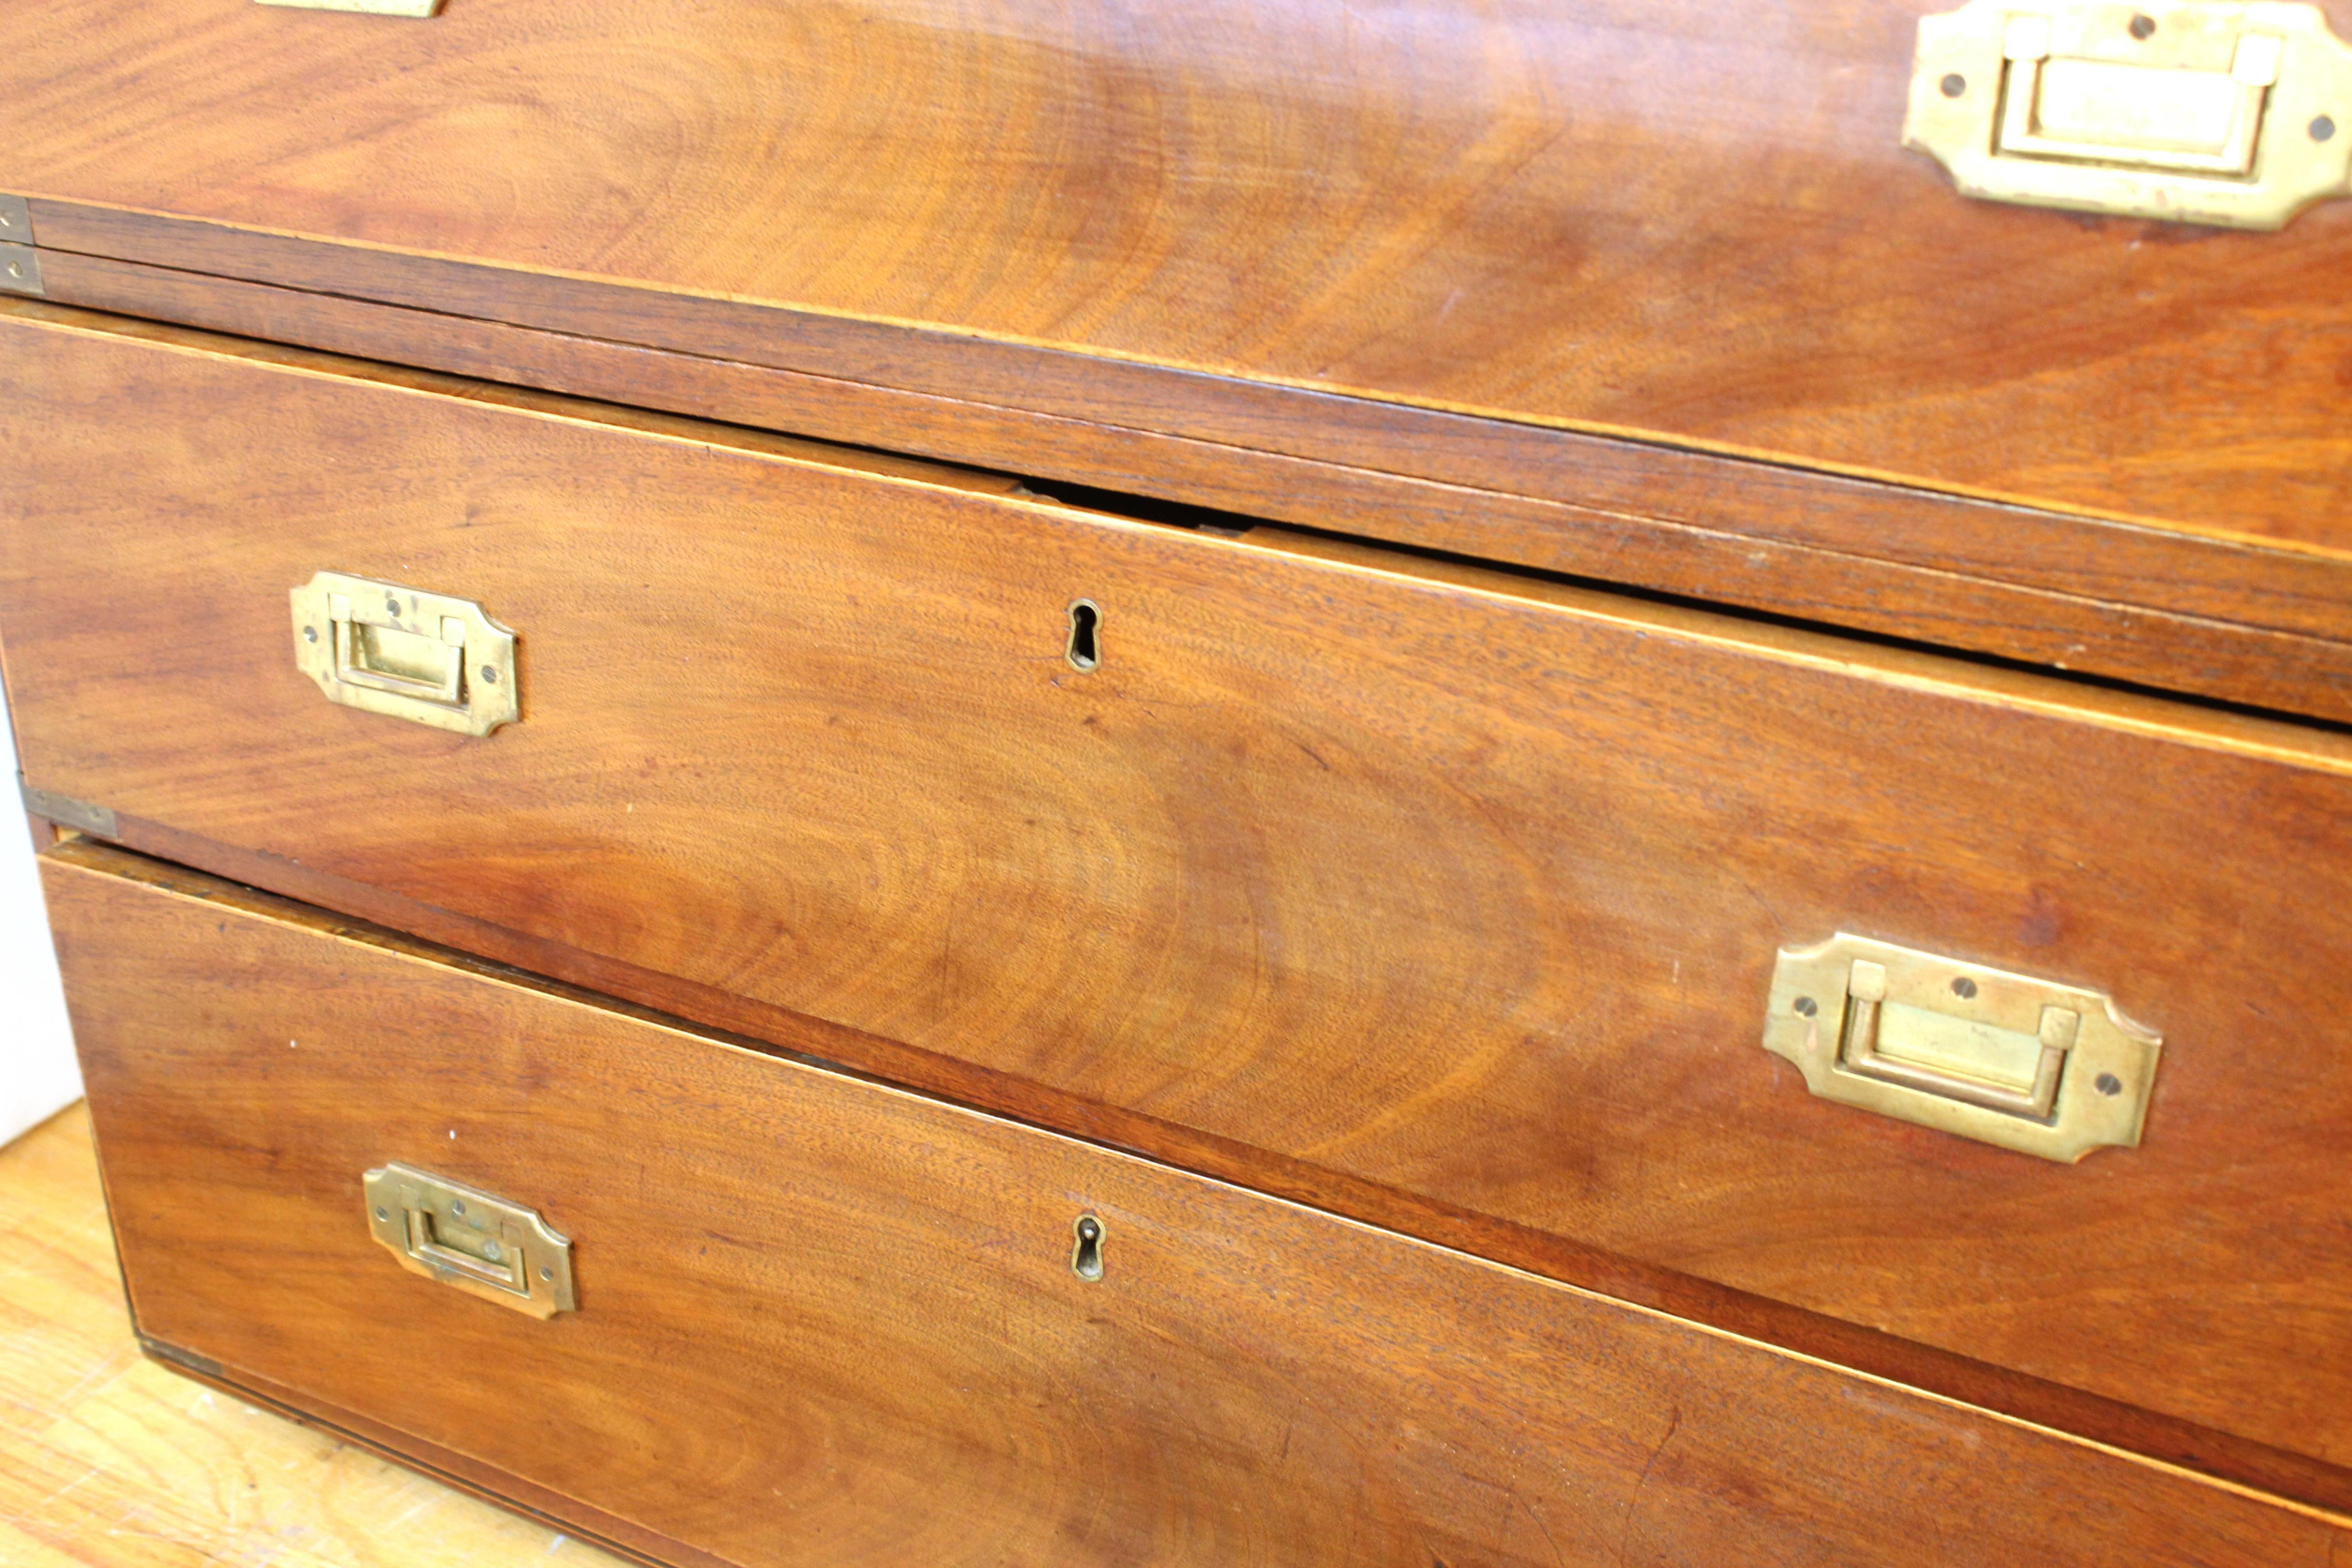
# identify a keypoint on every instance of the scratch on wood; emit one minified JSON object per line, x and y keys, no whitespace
{"x":1626,"y":1525}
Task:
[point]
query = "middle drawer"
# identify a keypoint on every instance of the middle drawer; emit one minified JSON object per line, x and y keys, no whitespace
{"x":1459,"y":886}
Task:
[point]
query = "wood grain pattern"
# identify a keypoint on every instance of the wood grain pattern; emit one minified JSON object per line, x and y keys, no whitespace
{"x":2264,"y":583}
{"x":820,"y":1315}
{"x":108,"y":1461}
{"x":2182,"y":613}
{"x":1605,"y":215}
{"x":1447,"y":882}
{"x":757,"y":1026}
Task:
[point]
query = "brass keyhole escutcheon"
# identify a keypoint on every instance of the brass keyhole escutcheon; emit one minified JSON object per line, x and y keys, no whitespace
{"x":1084,"y":649}
{"x":1087,"y":1252}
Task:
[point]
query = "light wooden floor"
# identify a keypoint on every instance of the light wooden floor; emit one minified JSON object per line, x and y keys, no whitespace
{"x":106,"y":1459}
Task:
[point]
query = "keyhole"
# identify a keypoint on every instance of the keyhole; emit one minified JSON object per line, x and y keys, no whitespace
{"x":1086,"y":1258}
{"x":1086,"y":634}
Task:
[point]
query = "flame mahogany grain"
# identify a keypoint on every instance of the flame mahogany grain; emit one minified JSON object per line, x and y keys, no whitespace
{"x":1446,"y":883}
{"x":823,"y":1318}
{"x":2209,"y":617}
{"x":1686,"y":221}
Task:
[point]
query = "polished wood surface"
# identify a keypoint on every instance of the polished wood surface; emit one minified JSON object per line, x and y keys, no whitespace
{"x":1450,"y":883}
{"x":1673,"y":220}
{"x":107,"y":1460}
{"x":821,"y":1316}
{"x":2035,"y":1401}
{"x":2210,"y":617}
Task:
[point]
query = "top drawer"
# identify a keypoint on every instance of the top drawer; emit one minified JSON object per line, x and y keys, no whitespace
{"x":1689,"y":221}
{"x":1333,"y":871}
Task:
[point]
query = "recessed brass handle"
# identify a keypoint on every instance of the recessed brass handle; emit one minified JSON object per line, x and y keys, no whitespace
{"x":474,"y":1240}
{"x":1865,"y":999}
{"x":387,"y":649}
{"x":2234,"y":112}
{"x":2027,"y":1064}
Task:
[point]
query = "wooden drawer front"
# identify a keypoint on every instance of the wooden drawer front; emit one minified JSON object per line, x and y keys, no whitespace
{"x":1694,"y":219}
{"x":1464,"y":892}
{"x":821,"y":1317}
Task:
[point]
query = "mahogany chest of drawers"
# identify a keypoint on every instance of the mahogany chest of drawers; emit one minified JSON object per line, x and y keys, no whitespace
{"x":1064,"y":783}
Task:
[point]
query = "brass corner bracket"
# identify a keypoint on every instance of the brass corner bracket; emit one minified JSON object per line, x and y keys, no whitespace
{"x":20,"y":264}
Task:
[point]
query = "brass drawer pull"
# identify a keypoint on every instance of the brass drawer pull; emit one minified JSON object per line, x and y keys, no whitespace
{"x":2212,"y":111}
{"x":2025,"y":1063}
{"x":388,"y":649}
{"x":474,"y":1240}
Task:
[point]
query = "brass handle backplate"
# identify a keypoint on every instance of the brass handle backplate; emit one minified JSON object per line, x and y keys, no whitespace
{"x":388,"y":649}
{"x":2029,"y":1065}
{"x":474,"y":1240}
{"x":2232,"y":112}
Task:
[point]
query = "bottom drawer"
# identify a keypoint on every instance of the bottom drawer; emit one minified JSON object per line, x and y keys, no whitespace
{"x":816,"y":1320}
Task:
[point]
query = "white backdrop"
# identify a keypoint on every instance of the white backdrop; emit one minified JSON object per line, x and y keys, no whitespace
{"x":37,"y":1065}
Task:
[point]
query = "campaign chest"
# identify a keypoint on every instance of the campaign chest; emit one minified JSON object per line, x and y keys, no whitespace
{"x":1090,"y":784}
